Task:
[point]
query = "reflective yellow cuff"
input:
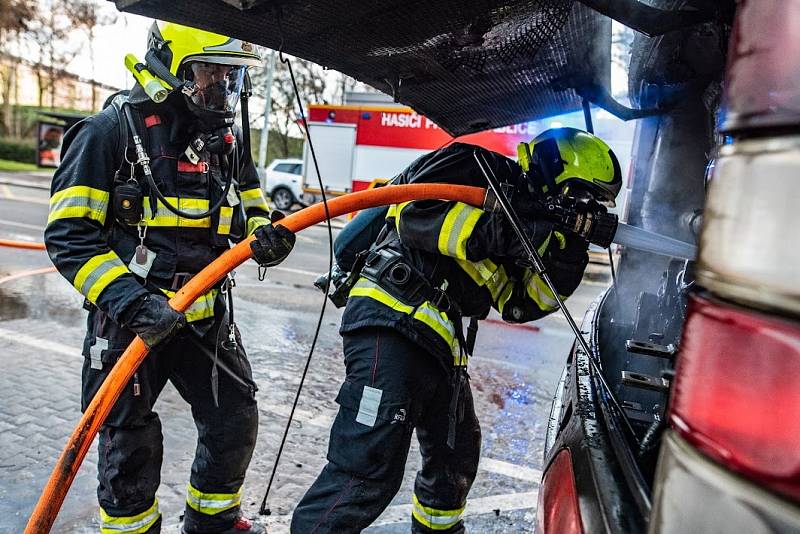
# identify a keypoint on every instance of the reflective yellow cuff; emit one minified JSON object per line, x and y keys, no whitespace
{"x":541,"y":294}
{"x":486,"y":273}
{"x":79,"y":201}
{"x":562,"y":240}
{"x":254,"y":198}
{"x":457,"y":229}
{"x":135,"y":524}
{"x":254,"y":223}
{"x":225,"y":219}
{"x":97,"y":274}
{"x":211,"y":503}
{"x":434,"y":518}
{"x":202,"y":308}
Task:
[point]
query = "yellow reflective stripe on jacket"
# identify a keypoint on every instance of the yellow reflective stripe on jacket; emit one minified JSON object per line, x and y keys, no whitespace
{"x":426,"y":313}
{"x":202,"y":308}
{"x":366,"y":288}
{"x":395,"y":210}
{"x":254,"y":223}
{"x":225,"y":219}
{"x":434,"y":518}
{"x":211,"y":503}
{"x":456,"y":229}
{"x":79,"y":201}
{"x":439,"y":322}
{"x":135,"y":524}
{"x":166,"y":219}
{"x":254,"y":198}
{"x":541,"y":294}
{"x":97,"y":273}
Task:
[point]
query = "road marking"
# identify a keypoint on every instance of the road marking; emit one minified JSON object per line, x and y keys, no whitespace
{"x":296,"y":271}
{"x":22,"y":225}
{"x":6,"y":192}
{"x":37,"y":343}
{"x":510,"y":470}
{"x":401,"y":513}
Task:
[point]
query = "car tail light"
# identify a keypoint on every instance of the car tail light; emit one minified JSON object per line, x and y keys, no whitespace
{"x":737,"y":392}
{"x":762,"y":88}
{"x":558,"y":511}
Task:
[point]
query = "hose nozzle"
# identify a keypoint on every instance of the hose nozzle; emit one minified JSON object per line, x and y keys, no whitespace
{"x":151,"y":85}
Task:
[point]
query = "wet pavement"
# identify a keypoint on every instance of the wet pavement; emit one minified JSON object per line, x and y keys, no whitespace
{"x":513,"y":375}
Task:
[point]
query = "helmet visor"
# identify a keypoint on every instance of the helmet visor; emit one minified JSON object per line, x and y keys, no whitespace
{"x":218,"y":86}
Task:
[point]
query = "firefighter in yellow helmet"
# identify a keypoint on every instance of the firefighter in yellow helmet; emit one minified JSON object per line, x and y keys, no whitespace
{"x":431,"y":264}
{"x":149,"y":192}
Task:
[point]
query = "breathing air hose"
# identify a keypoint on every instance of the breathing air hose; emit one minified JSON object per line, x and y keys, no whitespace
{"x":56,"y":488}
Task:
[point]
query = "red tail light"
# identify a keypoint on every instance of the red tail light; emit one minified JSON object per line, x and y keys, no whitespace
{"x":558,"y":511}
{"x":737,"y":392}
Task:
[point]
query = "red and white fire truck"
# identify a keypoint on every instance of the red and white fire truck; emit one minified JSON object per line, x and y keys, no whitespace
{"x":361,"y":143}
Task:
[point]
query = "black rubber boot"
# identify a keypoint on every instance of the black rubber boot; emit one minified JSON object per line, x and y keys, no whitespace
{"x":240,"y":525}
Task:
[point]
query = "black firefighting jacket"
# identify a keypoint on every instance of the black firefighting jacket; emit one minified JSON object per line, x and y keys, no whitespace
{"x":92,"y":248}
{"x":470,"y":253}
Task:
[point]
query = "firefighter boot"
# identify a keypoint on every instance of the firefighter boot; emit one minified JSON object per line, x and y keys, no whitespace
{"x":241,"y":525}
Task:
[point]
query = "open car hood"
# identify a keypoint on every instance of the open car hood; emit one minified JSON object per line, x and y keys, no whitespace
{"x":468,"y":66}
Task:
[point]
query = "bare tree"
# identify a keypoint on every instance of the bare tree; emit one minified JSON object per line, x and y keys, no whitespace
{"x":284,"y":113}
{"x":88,"y":15}
{"x":49,"y":35}
{"x":15,"y":16}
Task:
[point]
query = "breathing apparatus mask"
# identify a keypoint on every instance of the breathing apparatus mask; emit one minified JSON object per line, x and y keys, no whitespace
{"x":217,"y":88}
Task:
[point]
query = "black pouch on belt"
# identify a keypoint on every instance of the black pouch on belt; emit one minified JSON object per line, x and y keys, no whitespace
{"x":388,"y":268}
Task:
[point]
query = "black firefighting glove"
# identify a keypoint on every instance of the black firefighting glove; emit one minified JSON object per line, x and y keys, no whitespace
{"x":153,"y":319}
{"x":271,"y":244}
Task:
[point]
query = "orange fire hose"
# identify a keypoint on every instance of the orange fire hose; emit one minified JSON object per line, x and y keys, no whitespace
{"x":21,"y":244}
{"x":54,"y":492}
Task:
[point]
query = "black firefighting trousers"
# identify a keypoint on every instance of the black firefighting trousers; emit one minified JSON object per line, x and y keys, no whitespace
{"x":130,"y":446}
{"x":392,"y":387}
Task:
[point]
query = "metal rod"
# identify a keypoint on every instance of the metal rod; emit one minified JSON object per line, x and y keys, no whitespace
{"x":530,"y":250}
{"x":587,"y":115}
{"x":538,"y":264}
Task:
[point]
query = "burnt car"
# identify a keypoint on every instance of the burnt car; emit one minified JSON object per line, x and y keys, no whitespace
{"x":684,"y":414}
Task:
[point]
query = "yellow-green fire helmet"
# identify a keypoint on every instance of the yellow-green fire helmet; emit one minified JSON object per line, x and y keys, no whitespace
{"x":564,"y":156}
{"x":177,"y":45}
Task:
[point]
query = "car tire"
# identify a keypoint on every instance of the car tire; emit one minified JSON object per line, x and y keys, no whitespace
{"x":282,"y":198}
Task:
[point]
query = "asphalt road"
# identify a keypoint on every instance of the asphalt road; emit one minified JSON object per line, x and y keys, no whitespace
{"x":513,"y":376}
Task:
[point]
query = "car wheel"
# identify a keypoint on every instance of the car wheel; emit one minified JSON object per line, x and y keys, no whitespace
{"x":282,"y":198}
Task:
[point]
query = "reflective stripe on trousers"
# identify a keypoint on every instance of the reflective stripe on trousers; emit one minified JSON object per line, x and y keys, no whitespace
{"x":435,"y":519}
{"x":135,"y":524}
{"x":211,"y":503}
{"x":425,"y":313}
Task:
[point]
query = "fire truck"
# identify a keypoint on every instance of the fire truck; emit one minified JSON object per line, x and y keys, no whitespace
{"x":370,"y":139}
